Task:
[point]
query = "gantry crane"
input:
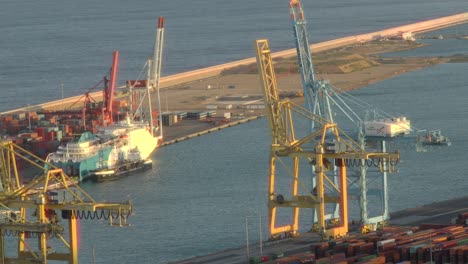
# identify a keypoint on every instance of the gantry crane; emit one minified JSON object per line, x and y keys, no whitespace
{"x":139,"y":89}
{"x":318,"y":99}
{"x":315,"y":100}
{"x":32,"y":213}
{"x":326,"y":143}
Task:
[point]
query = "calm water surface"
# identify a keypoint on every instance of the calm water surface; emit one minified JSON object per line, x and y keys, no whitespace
{"x":196,"y":198}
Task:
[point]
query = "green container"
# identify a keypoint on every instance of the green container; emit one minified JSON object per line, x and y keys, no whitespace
{"x":254,"y":260}
{"x":414,"y":249}
{"x":277,"y":255}
{"x":462,"y":242}
{"x":367,"y":257}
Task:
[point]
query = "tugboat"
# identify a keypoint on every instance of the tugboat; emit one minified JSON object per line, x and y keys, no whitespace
{"x":434,"y":137}
{"x":121,"y":170}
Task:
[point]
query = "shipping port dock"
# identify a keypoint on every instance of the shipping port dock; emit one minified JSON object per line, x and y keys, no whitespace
{"x":433,"y":216}
{"x":435,"y":233}
{"x":208,"y":100}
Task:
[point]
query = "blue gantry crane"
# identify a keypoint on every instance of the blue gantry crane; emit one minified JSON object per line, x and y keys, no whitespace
{"x":319,"y":97}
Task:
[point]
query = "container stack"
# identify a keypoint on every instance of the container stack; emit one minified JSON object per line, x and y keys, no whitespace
{"x":197,"y":115}
{"x":400,"y":244}
{"x":169,"y":119}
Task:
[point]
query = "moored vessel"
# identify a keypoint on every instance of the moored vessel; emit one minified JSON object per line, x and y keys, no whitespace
{"x":123,"y":145}
{"x":124,"y":169}
{"x":434,"y":137}
{"x":387,"y":127}
{"x":118,"y":148}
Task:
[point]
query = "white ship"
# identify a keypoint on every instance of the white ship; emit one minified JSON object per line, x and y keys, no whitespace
{"x":387,"y":127}
{"x":120,"y":147}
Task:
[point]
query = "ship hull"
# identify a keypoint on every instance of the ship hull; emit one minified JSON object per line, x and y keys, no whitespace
{"x":123,"y":148}
{"x":120,"y":171}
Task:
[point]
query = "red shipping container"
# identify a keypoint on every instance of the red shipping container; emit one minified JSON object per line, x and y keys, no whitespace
{"x":136,"y":83}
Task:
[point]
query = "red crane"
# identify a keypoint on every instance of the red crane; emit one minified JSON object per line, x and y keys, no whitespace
{"x":92,"y":109}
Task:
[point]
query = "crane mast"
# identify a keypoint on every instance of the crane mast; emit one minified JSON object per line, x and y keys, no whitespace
{"x":157,"y":61}
{"x":326,"y":143}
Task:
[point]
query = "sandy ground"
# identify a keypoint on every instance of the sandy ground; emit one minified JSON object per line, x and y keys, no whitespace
{"x":240,"y":86}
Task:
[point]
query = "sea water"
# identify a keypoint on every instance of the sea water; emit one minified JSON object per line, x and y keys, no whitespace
{"x":55,"y":49}
{"x":201,"y":192}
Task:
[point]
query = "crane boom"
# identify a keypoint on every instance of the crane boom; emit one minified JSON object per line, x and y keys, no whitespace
{"x":109,"y":90}
{"x":270,"y":94}
{"x":313,"y":89}
{"x":303,"y":52}
{"x":157,"y":61}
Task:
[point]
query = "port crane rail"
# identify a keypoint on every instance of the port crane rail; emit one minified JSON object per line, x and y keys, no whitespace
{"x":31,"y":211}
{"x":326,"y":143}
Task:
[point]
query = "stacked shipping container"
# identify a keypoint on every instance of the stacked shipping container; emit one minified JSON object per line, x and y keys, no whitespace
{"x":399,"y":244}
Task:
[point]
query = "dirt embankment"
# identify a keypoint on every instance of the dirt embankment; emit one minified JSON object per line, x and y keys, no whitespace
{"x":346,"y":68}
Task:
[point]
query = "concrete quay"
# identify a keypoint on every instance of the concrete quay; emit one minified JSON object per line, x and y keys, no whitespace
{"x":436,"y":213}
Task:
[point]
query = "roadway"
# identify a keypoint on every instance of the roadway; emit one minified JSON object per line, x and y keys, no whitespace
{"x":435,"y":213}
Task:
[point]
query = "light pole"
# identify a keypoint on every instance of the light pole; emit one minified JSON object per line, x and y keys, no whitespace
{"x":260,"y":231}
{"x":247,"y":238}
{"x":61,"y":85}
{"x":29,"y":117}
{"x":430,"y":238}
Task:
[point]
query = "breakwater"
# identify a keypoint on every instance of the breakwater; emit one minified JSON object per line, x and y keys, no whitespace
{"x":185,"y":77}
{"x":418,"y":27}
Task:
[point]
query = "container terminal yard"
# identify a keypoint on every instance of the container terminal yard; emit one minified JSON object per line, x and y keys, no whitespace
{"x":431,"y":217}
{"x":417,"y":235}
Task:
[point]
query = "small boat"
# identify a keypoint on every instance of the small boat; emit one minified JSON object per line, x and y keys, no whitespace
{"x":434,"y":137}
{"x":124,"y":169}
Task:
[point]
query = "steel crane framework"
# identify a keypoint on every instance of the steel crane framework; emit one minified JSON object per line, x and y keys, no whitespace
{"x":327,"y":142}
{"x":32,"y":213}
{"x":318,"y":99}
{"x":140,"y":90}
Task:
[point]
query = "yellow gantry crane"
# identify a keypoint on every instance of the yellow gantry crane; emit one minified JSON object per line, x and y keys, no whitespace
{"x":320,"y":148}
{"x":32,"y":213}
